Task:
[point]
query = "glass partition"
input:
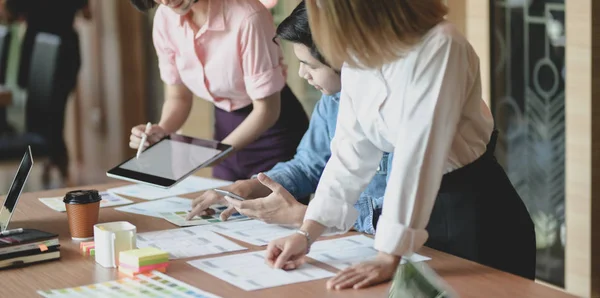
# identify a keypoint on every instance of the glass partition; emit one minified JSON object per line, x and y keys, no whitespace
{"x":528,"y":101}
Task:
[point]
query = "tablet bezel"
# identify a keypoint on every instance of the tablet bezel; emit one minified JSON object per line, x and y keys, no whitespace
{"x":128,"y":175}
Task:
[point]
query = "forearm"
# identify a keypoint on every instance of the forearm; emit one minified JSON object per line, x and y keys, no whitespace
{"x":175,"y":111}
{"x":264,"y":115}
{"x":313,"y":228}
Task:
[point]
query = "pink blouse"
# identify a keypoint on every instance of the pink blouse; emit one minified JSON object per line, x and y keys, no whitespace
{"x":232,"y":59}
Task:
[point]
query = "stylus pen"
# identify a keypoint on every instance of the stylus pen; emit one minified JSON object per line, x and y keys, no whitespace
{"x":11,"y":232}
{"x":144,"y":139}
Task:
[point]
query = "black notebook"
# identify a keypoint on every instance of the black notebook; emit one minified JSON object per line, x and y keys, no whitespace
{"x":31,"y":246}
{"x":28,"y":236}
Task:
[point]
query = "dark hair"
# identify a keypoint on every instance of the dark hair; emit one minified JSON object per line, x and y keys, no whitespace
{"x":143,"y":5}
{"x":295,"y":28}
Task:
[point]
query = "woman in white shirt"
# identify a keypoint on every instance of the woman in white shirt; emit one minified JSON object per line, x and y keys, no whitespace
{"x":411,"y":85}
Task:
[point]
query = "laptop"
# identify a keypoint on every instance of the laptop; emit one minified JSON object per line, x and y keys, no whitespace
{"x":10,"y":202}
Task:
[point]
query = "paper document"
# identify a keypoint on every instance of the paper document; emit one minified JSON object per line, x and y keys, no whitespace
{"x":153,"y":208}
{"x":186,"y":243}
{"x":108,"y":200}
{"x":347,"y":251}
{"x":188,"y":185}
{"x":249,"y":272}
{"x":178,"y":218}
{"x":155,"y":284}
{"x":254,"y":232}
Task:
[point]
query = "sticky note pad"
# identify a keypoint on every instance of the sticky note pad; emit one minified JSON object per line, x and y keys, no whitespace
{"x":86,"y":247}
{"x":143,"y":257}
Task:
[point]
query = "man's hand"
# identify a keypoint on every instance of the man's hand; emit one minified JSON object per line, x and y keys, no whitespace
{"x":280,"y":207}
{"x":248,"y":189}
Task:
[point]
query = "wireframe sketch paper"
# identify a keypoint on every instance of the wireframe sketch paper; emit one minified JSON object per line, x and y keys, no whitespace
{"x":187,"y":243}
{"x":254,"y":232}
{"x":179,"y":217}
{"x":108,"y":200}
{"x":249,"y":272}
{"x":188,"y":185}
{"x":344,"y":252}
{"x":153,"y":208}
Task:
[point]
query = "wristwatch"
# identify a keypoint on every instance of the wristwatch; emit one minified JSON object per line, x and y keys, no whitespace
{"x":308,"y":240}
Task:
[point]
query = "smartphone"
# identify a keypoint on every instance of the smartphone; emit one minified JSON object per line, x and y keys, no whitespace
{"x":229,"y":194}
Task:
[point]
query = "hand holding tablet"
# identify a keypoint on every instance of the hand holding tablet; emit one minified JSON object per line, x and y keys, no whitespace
{"x":169,"y":160}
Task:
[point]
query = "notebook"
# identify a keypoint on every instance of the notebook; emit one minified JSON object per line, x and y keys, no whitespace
{"x":31,"y":245}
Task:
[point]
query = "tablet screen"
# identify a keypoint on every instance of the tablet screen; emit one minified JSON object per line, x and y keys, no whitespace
{"x":170,"y":159}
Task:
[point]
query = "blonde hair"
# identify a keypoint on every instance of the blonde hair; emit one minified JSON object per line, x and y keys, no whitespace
{"x":370,"y":33}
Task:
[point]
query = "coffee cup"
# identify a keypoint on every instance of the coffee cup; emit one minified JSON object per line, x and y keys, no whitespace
{"x":83,"y":208}
{"x":112,"y":238}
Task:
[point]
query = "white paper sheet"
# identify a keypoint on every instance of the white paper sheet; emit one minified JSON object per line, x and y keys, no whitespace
{"x":178,"y":218}
{"x":153,"y":208}
{"x":188,"y":185}
{"x":344,"y":252}
{"x":249,"y":272}
{"x":185,"y":243}
{"x":254,"y":232}
{"x":108,"y":200}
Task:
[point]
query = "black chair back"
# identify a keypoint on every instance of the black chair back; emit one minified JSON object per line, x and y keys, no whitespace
{"x":43,"y":114}
{"x":5,"y":38}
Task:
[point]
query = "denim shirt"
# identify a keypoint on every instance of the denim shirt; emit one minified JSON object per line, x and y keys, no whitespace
{"x":301,"y":175}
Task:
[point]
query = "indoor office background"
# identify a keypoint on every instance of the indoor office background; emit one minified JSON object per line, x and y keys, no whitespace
{"x":537,"y":61}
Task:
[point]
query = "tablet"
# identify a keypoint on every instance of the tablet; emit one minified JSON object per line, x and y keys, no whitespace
{"x":170,"y":160}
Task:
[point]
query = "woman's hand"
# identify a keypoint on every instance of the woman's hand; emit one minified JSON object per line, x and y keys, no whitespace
{"x":280,"y":207}
{"x":366,"y":274}
{"x":155,"y":134}
{"x":287,"y":253}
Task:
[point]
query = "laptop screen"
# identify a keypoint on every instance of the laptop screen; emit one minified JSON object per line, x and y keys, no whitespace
{"x":15,"y":190}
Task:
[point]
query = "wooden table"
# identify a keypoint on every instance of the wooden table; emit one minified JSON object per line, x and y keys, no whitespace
{"x":467,"y":278}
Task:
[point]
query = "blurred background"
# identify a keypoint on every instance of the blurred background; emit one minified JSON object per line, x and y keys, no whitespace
{"x":521,"y":44}
{"x":117,"y":86}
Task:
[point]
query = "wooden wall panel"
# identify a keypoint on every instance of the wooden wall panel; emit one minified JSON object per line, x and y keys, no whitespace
{"x":131,"y":27}
{"x":472,"y":17}
{"x":582,"y":148}
{"x":477,"y":29}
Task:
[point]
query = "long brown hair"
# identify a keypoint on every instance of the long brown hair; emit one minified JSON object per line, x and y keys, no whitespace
{"x":370,"y":33}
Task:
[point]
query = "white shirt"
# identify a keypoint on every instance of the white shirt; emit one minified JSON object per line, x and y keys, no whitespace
{"x":425,"y":107}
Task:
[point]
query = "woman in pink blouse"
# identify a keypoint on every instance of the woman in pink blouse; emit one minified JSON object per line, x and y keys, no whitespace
{"x":222,"y":51}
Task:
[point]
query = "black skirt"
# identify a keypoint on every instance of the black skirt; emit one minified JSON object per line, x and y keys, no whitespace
{"x":479,"y":216}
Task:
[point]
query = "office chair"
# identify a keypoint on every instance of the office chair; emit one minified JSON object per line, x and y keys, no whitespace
{"x":5,"y":94}
{"x":44,"y":110}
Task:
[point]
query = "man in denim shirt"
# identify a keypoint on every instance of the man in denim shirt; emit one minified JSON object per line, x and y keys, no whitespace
{"x":301,"y":175}
{"x":272,"y":197}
